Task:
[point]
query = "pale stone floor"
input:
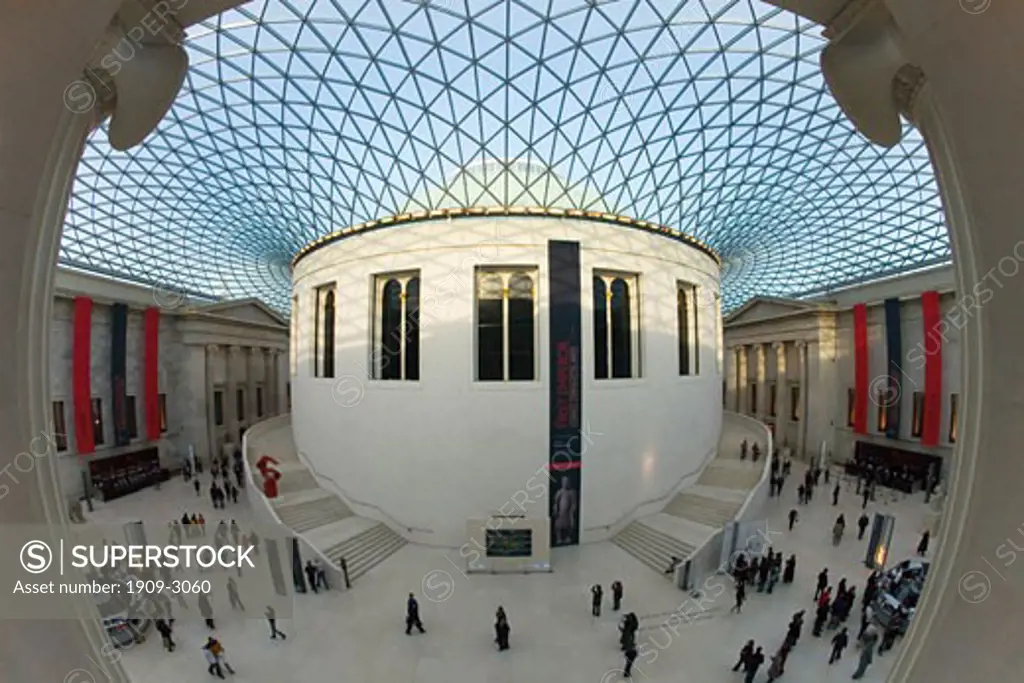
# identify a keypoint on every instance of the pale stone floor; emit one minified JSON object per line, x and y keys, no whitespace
{"x":359,"y":635}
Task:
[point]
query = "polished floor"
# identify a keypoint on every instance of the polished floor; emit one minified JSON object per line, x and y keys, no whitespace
{"x":359,"y":635}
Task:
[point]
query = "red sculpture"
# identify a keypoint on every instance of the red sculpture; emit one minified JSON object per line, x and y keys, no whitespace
{"x":265,"y":465}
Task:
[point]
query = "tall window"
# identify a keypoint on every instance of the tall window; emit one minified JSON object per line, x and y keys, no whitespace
{"x":917,"y":426}
{"x":772,"y":396}
{"x":161,"y":401}
{"x":240,"y":404}
{"x":851,"y":407}
{"x":218,"y":408}
{"x":324,"y":332}
{"x":133,"y":423}
{"x":60,"y":429}
{"x":506,"y":324}
{"x":794,"y":404}
{"x":954,"y":416}
{"x":397,"y":327}
{"x":753,"y":398}
{"x":616,"y":326}
{"x":97,"y":421}
{"x":686,"y":318}
{"x":259,"y":401}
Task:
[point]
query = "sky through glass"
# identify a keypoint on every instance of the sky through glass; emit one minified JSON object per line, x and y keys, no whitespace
{"x":299,"y":118}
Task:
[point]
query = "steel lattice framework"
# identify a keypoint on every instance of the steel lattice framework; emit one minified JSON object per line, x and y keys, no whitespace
{"x":302,"y":117}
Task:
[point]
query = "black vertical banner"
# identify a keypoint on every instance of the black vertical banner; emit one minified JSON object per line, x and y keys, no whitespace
{"x":564,"y":323}
{"x":119,"y":372}
{"x":894,"y":351}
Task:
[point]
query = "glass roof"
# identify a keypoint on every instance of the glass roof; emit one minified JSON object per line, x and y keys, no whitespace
{"x":301,"y":117}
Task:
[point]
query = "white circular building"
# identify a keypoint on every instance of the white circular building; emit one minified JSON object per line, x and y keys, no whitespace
{"x":450,"y":363}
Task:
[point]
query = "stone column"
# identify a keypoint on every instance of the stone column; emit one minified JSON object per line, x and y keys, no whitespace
{"x":730,"y":379}
{"x":253,"y":357}
{"x":741,"y":381}
{"x":781,"y":394}
{"x":801,"y":428}
{"x":269,"y":397}
{"x":212,"y":351}
{"x":761,"y":379}
{"x":231,"y":390}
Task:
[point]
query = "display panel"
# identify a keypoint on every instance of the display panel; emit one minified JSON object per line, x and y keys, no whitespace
{"x":509,"y":543}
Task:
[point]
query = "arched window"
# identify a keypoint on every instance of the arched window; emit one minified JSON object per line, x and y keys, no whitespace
{"x":328,"y":350}
{"x":323,"y":332}
{"x":600,"y":328}
{"x":506,"y":325}
{"x":397,"y":327}
{"x":683,"y":320}
{"x":616,"y":326}
{"x":622,"y":342}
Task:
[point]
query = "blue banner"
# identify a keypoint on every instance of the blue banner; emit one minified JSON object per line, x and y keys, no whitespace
{"x":119,"y":373}
{"x":894,"y":350}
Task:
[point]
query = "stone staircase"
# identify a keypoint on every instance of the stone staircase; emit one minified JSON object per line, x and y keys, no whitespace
{"x":650,"y":546}
{"x":365,"y":550}
{"x":707,"y":511}
{"x":727,"y":473}
{"x":311,"y":514}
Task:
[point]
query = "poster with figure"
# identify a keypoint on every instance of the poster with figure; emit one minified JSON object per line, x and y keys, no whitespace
{"x":565,"y":399}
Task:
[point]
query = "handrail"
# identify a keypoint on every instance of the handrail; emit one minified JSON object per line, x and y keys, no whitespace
{"x":765,"y":470}
{"x":671,"y":492}
{"x":349,"y":498}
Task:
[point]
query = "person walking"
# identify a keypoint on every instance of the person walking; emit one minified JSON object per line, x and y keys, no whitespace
{"x":412,"y":615}
{"x":746,"y":652}
{"x":501,"y":629}
{"x":311,"y":575}
{"x":754,"y":663}
{"x":616,"y":595}
{"x":164,"y":628}
{"x":271,"y":616}
{"x":775,"y":669}
{"x":835,"y":495}
{"x":627,"y":671}
{"x":866,"y":617}
{"x":774,"y":573}
{"x":198,"y":488}
{"x":791,"y":569}
{"x":839,"y":643}
{"x":206,"y":610}
{"x":596,"y":592}
{"x":628,"y":628}
{"x":922,"y":547}
{"x":867,"y":652}
{"x":741,"y":596}
{"x":865,"y":493}
{"x":321,"y":574}
{"x":837,"y":530}
{"x":862,"y":525}
{"x":801,"y":494}
{"x":795,"y":626}
{"x":820,"y":615}
{"x":217,"y":649}
{"x":743,"y":450}
{"x":213,"y":663}
{"x":822,"y":583}
{"x":233,"y":597}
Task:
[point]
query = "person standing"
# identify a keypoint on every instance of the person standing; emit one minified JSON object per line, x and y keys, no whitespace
{"x":865,"y":494}
{"x":196,"y":485}
{"x":775,"y":668}
{"x":922,"y":547}
{"x":862,"y":525}
{"x":801,"y":494}
{"x":837,"y":530}
{"x":795,"y":626}
{"x":412,"y":615}
{"x":743,"y":450}
{"x":819,"y":619}
{"x":867,"y":652}
{"x":501,"y":629}
{"x":741,"y":596}
{"x":311,"y":575}
{"x":774,"y":573}
{"x":164,"y":628}
{"x":627,"y":671}
{"x":754,"y":663}
{"x":866,"y":617}
{"x":629,"y":627}
{"x":271,"y":616}
{"x":822,"y":582}
{"x":596,"y":593}
{"x":746,"y":652}
{"x":755,"y":452}
{"x":790,"y":572}
{"x":616,"y":595}
{"x":839,"y":643}
{"x":835,"y":495}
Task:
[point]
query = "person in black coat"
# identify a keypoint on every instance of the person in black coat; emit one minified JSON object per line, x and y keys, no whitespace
{"x":745,"y":654}
{"x":795,"y":626}
{"x":741,"y":596}
{"x":628,"y":629}
{"x":501,"y":629}
{"x":311,"y":575}
{"x":819,"y":619}
{"x":627,"y":671}
{"x":616,"y":595}
{"x":839,"y":643}
{"x":922,"y":547}
{"x":835,"y":495}
{"x":412,"y":615}
{"x":822,"y":583}
{"x":862,"y":525}
{"x":790,"y":572}
{"x":754,"y":663}
{"x":595,"y":601}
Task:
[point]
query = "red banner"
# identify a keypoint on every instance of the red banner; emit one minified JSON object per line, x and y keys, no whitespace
{"x":860,"y":368}
{"x":932,"y":418}
{"x":151,"y":372}
{"x":81,"y":388}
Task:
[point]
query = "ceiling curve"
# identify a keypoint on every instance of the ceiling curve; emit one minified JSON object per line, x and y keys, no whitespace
{"x":298,"y":118}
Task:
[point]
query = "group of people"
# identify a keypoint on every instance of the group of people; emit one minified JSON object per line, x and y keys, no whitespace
{"x":754,"y":451}
{"x":779,"y":475}
{"x":761,"y":571}
{"x":316,"y":575}
{"x":833,"y":610}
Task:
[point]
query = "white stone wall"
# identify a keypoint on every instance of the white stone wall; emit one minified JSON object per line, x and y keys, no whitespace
{"x":446,"y":449}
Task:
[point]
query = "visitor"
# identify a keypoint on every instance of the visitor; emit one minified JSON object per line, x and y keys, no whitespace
{"x":865,"y":494}
{"x":197,"y":486}
{"x":801,"y":494}
{"x":795,"y":626}
{"x":745,"y":653}
{"x":837,"y":530}
{"x":616,"y":595}
{"x":862,"y":525}
{"x":793,"y":517}
{"x":501,"y":629}
{"x":321,"y":574}
{"x":755,"y":452}
{"x":867,"y":615}
{"x":271,"y":616}
{"x":627,"y":671}
{"x":201,"y":521}
{"x":835,"y":495}
{"x":774,"y":573}
{"x":820,"y":615}
{"x":741,"y":595}
{"x":206,"y":610}
{"x":867,"y":652}
{"x":922,"y":547}
{"x":790,"y":572}
{"x":595,"y":601}
{"x":743,"y":450}
{"x":839,"y":643}
{"x":775,"y":669}
{"x":673,"y":563}
{"x":753,"y":663}
{"x":215,"y":646}
{"x":822,"y":583}
{"x":412,"y":615}
{"x":628,"y":628}
{"x":165,"y":630}
{"x":311,"y":575}
{"x":233,"y":597}
{"x":211,"y":659}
